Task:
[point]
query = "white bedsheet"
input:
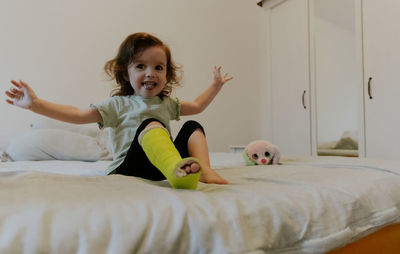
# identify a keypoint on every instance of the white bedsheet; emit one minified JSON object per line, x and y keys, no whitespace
{"x":306,"y":205}
{"x":81,"y":168}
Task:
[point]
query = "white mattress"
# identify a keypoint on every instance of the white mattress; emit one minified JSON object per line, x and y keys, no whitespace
{"x":306,"y":205}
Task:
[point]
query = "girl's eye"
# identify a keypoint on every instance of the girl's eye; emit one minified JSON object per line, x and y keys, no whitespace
{"x":159,"y":68}
{"x":139,"y":66}
{"x":255,"y":156}
{"x":266,"y":154}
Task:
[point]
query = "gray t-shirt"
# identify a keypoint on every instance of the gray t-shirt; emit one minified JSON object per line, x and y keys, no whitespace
{"x":124,"y":114}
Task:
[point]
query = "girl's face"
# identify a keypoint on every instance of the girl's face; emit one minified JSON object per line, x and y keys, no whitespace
{"x":148,"y":73}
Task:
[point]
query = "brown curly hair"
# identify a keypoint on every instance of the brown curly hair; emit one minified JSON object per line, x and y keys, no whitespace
{"x":132,"y":47}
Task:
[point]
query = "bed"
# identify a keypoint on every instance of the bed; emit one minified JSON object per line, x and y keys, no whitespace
{"x":304,"y":205}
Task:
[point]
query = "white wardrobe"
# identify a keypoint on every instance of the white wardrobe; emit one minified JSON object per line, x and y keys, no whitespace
{"x":362,"y":89}
{"x":381,"y":39}
{"x":289,"y":76}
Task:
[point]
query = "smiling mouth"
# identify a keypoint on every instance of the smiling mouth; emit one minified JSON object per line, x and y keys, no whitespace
{"x":149,"y":85}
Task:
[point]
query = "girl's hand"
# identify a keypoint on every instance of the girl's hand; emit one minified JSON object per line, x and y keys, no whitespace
{"x":21,"y":95}
{"x":218,"y":78}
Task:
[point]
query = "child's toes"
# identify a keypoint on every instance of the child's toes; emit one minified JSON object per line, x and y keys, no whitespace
{"x":191,"y":167}
{"x":186,"y":168}
{"x":194,"y":167}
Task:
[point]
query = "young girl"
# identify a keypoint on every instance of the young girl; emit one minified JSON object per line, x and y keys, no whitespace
{"x":138,"y":114}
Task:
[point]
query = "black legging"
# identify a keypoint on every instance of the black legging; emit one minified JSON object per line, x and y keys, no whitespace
{"x":136,"y":162}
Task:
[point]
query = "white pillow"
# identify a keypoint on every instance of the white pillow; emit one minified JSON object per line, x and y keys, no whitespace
{"x":53,"y":144}
{"x":91,"y":130}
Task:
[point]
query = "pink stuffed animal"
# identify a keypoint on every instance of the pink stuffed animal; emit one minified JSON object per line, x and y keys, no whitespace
{"x":261,"y":152}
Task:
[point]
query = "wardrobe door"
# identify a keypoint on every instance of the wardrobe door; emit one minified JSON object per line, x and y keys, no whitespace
{"x":336,"y":43}
{"x":381,"y":31}
{"x":290,"y":77}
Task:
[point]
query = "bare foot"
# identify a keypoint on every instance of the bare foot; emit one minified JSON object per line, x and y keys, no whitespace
{"x":210,"y":176}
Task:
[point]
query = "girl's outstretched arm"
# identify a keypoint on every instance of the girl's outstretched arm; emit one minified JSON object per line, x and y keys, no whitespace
{"x":201,"y":102}
{"x":22,"y":95}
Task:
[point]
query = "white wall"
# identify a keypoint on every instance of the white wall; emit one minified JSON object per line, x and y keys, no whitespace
{"x":60,"y":46}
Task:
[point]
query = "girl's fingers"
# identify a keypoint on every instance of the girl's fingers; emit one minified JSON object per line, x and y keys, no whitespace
{"x":19,"y":84}
{"x":10,"y":102}
{"x":15,"y":83}
{"x":228,"y":78}
{"x":217,"y":74}
{"x":11,"y":95}
{"x":217,"y":68}
{"x":15,"y":92}
{"x":23,"y":83}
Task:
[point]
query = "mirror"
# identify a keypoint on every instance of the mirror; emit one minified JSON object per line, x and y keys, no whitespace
{"x":337,"y":94}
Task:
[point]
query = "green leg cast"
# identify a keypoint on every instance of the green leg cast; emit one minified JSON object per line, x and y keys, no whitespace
{"x":162,"y":153}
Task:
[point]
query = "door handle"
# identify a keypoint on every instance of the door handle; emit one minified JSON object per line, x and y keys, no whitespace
{"x":303,"y":99}
{"x":369,"y":88}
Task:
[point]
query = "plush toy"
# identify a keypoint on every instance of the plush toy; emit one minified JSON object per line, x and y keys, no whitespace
{"x":261,"y":152}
